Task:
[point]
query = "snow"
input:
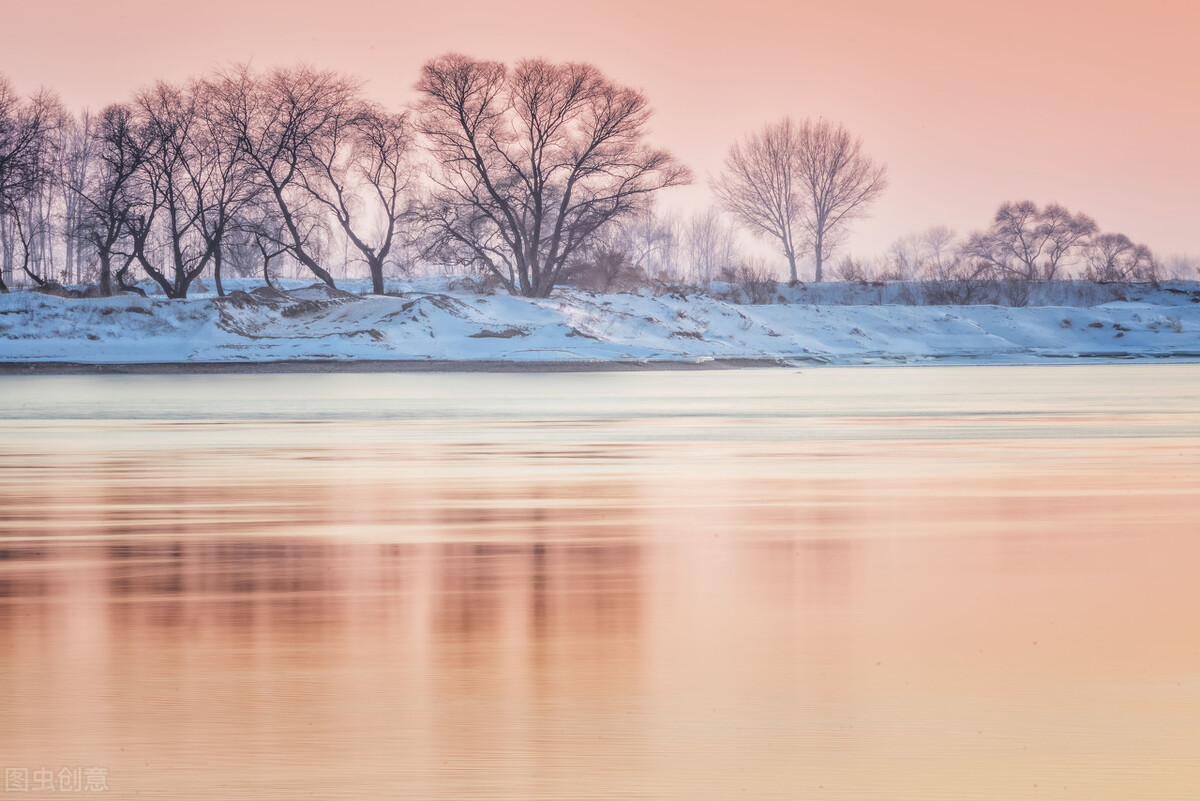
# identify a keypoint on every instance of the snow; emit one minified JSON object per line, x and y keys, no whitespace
{"x":428,"y":319}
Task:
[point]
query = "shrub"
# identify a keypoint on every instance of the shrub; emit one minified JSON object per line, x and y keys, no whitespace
{"x":752,"y":282}
{"x":605,"y":270}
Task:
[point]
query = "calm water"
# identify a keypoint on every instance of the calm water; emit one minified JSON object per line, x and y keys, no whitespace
{"x":915,"y":583}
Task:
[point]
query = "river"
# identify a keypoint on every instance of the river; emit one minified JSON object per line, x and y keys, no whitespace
{"x":838,"y":583}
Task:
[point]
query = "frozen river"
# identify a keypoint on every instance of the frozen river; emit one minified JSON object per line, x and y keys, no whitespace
{"x":901,"y":583}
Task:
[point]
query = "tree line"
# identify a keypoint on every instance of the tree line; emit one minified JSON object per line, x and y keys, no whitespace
{"x":512,"y":170}
{"x":531,"y":174}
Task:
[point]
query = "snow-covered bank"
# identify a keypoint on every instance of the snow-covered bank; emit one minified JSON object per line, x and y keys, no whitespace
{"x":429,"y":321}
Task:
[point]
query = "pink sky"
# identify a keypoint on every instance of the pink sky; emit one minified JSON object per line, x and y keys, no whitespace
{"x":1095,"y":105}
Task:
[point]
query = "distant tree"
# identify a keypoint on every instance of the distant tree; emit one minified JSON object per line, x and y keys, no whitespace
{"x":791,"y":177}
{"x":942,"y":252}
{"x":74,"y":166}
{"x":852,"y":269}
{"x":533,"y":162}
{"x":1181,"y":267}
{"x":602,"y":269}
{"x":928,"y":254}
{"x":752,"y":281}
{"x":709,"y":245}
{"x":108,"y":190}
{"x":650,"y":241}
{"x":1114,"y":257}
{"x":1064,"y":232}
{"x":907,"y":256}
{"x":28,"y":129}
{"x":1028,"y":243}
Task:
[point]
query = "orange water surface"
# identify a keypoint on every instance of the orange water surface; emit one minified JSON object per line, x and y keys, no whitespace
{"x":912,"y":583}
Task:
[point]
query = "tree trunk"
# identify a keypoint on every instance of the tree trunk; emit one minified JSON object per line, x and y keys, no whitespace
{"x":105,"y":273}
{"x":136,"y":290}
{"x":376,"y":266}
{"x":316,"y":269}
{"x":69,"y":263}
{"x":298,"y":242}
{"x":217,"y":272}
{"x":37,"y":279}
{"x":3,"y":286}
{"x":820,"y":254}
{"x":795,"y":279}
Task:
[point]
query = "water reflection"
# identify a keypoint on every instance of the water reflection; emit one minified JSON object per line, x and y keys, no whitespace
{"x":615,"y":609}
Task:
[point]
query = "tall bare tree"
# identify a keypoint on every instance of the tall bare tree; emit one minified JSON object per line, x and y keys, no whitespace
{"x":760,"y":188}
{"x":107,"y":189}
{"x":223,"y":180}
{"x":74,"y":166}
{"x":27,"y":141}
{"x":167,"y":231}
{"x":533,"y":161}
{"x":840,"y":183}
{"x":279,"y":117}
{"x":362,"y":172}
{"x":802,"y":184}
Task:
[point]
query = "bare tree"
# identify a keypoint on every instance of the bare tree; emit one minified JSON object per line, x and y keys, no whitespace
{"x":807,"y":176}
{"x":710,"y":245}
{"x":1028,"y":243}
{"x":851,"y":269}
{"x":1181,"y":267}
{"x":650,"y":241}
{"x":840,"y":183}
{"x":601,"y":268}
{"x":261,"y":228}
{"x":107,"y":189}
{"x":1063,"y":232}
{"x":908,"y":256}
{"x":223,"y":180}
{"x":27,"y":129}
{"x":169,"y":241}
{"x":362,"y":172}
{"x":1114,"y":257}
{"x":279,"y":118}
{"x":929,"y":254}
{"x":533,"y":162}
{"x":760,"y":187}
{"x":944,"y":260}
{"x":77,"y":161}
{"x":35,"y":219}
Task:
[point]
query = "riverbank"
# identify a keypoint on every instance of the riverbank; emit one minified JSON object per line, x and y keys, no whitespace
{"x":432,"y":325}
{"x":368,"y":366}
{"x":375,"y":366}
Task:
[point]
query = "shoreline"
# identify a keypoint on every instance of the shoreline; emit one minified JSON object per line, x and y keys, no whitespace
{"x":320,"y":366}
{"x":434,"y":328}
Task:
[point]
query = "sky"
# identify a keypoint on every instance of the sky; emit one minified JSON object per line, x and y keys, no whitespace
{"x":1093,"y":104}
